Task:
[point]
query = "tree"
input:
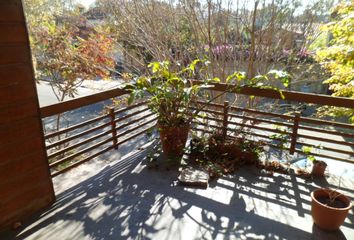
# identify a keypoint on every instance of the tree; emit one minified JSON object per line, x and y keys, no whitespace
{"x":338,"y":57}
{"x":66,"y":60}
{"x":65,"y":50}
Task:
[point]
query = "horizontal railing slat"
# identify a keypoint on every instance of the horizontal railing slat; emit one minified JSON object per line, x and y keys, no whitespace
{"x":321,"y":139}
{"x":72,"y":104}
{"x":209,"y":111}
{"x":207,"y":125}
{"x":56,"y":173}
{"x":134,"y":121}
{"x":136,"y":127}
{"x":327,"y":156}
{"x":72,"y":156}
{"x":79,"y":144}
{"x":258,"y":112}
{"x":129,"y":107}
{"x":289,"y":95}
{"x":68,"y":139}
{"x":131,"y":115}
{"x":260,"y":128}
{"x":326,"y":131}
{"x":324,"y":122}
{"x":261,"y":120}
{"x":134,"y":135}
{"x":73,"y":127}
{"x":350,"y":153}
{"x":210,"y":118}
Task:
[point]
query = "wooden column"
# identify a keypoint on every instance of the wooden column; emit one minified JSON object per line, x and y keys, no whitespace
{"x":25,"y":183}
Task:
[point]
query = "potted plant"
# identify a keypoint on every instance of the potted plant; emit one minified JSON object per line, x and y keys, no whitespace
{"x":318,"y":166}
{"x":329,"y":208}
{"x":171,"y":95}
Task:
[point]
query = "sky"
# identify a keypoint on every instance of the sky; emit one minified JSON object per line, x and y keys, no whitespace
{"x":86,"y":3}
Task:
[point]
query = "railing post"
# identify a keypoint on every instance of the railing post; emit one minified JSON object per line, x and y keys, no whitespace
{"x":113,"y":126}
{"x":225,"y":120}
{"x":294,"y":133}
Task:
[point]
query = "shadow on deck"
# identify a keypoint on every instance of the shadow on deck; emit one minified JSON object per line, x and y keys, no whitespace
{"x":125,"y":200}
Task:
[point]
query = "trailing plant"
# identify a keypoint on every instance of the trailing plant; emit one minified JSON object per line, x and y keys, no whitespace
{"x":223,"y":156}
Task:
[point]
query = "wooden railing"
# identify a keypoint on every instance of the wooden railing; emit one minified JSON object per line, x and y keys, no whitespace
{"x":327,"y":139}
{"x":71,"y":146}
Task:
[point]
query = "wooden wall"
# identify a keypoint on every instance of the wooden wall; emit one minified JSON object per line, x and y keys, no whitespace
{"x":25,"y":183}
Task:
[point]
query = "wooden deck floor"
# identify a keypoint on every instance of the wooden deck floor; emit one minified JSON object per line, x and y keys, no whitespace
{"x":125,"y":200}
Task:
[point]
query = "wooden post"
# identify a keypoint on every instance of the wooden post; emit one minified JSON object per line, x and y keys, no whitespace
{"x":294,"y":133}
{"x":112,"y":116}
{"x":225,"y":121}
{"x":25,"y":183}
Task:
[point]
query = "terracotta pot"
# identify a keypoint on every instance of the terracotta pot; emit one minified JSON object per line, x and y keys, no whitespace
{"x":318,"y":168}
{"x":173,"y":139}
{"x":326,"y":217}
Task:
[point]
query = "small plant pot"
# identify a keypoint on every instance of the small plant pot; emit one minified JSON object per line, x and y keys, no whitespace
{"x":329,"y":217}
{"x":318,"y":168}
{"x":173,"y":140}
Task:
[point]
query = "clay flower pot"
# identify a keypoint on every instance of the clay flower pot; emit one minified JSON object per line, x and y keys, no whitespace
{"x":329,"y":217}
{"x":173,"y":139}
{"x":318,"y":168}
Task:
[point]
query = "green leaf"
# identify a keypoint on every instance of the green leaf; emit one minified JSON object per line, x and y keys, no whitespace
{"x":202,"y":115}
{"x":311,"y":158}
{"x":141,"y":82}
{"x":281,"y":94}
{"x":129,"y":86}
{"x":131,"y":98}
{"x":193,"y":64}
{"x":306,"y":150}
{"x":216,"y":79}
{"x":155,"y":66}
{"x":239,"y":76}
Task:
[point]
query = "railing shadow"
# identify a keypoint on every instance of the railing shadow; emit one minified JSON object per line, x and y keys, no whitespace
{"x":125,"y":200}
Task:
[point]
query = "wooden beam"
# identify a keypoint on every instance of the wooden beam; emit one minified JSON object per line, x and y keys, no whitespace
{"x":289,"y":95}
{"x":80,"y":102}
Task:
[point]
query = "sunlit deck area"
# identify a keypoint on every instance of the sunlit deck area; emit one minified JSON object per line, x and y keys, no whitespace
{"x":126,"y":200}
{"x":92,"y":166}
{"x":106,"y":190}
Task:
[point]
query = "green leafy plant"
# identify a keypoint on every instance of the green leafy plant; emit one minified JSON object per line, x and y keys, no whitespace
{"x":308,"y":152}
{"x":338,"y":58}
{"x":221,"y":156}
{"x":318,"y":167}
{"x":171,"y":93}
{"x":268,"y":80}
{"x":282,"y":137}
